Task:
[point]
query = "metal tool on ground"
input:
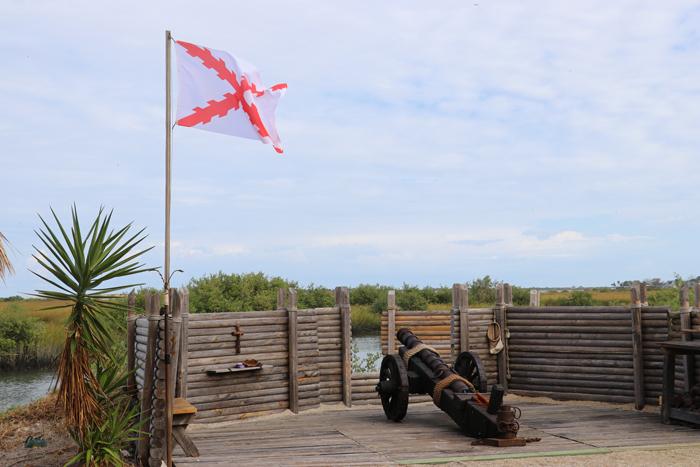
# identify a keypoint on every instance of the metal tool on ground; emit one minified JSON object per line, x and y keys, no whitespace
{"x":457,"y":391}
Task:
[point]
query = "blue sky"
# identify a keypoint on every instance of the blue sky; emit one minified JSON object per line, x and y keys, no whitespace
{"x":543,"y":143}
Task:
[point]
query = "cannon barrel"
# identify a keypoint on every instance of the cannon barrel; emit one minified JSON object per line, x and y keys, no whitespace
{"x":418,"y":369}
{"x":439,"y":368}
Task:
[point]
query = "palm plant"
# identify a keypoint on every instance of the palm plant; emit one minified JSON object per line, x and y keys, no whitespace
{"x":78,"y":266}
{"x":5,"y":265}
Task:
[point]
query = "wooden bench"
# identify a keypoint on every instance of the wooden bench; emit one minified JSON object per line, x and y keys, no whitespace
{"x":183,"y":412}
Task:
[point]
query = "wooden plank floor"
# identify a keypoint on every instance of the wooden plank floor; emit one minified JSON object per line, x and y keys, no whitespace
{"x":362,"y":435}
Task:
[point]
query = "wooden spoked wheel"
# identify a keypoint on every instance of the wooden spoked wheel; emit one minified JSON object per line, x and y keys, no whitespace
{"x":393,"y":387}
{"x":468,"y":366}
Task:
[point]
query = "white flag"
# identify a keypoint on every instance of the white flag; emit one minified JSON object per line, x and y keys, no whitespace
{"x":221,"y":93}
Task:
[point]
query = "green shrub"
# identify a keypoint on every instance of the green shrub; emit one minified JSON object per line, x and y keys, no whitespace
{"x":380,"y":304}
{"x":19,"y":336}
{"x":314,"y":297}
{"x":482,"y":291}
{"x":366,"y":294}
{"x":428,"y":294}
{"x":442,"y":294}
{"x":235,"y":292}
{"x":665,"y":297}
{"x":141,"y":297}
{"x":250,"y":292}
{"x":521,"y":296}
{"x":411,"y":298}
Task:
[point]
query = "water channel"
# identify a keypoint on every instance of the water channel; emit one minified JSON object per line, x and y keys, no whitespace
{"x":23,"y":387}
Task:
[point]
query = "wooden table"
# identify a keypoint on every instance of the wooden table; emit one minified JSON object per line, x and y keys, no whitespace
{"x":183,"y":412}
{"x":671,"y":349}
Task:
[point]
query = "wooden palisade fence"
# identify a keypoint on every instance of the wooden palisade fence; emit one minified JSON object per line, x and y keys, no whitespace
{"x":305,"y":358}
{"x":600,"y":353}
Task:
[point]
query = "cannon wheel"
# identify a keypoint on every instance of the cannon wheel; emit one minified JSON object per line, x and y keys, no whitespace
{"x":393,"y":387}
{"x":468,"y":366}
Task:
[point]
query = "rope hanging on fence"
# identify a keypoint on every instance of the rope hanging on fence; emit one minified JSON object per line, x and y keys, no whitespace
{"x":411,"y":352}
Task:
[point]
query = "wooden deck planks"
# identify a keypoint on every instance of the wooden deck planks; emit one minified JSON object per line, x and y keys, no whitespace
{"x":362,"y":435}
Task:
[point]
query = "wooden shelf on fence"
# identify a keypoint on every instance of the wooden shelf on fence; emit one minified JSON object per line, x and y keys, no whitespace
{"x":227,"y":371}
{"x":690,"y":331}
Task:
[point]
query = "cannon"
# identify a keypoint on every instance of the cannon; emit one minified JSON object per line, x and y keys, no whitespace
{"x":457,"y":391}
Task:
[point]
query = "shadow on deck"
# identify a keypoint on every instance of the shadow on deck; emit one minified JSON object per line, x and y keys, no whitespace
{"x":362,"y":435}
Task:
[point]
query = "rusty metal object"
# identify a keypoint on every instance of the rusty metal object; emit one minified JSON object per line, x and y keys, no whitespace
{"x":507,"y":421}
{"x":418,"y":369}
{"x":237,"y":333}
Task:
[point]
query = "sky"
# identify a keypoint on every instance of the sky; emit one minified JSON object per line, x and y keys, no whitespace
{"x":543,"y":143}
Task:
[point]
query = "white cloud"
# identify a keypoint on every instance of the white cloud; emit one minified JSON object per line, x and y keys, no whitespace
{"x":414,"y":246}
{"x":414,"y":133}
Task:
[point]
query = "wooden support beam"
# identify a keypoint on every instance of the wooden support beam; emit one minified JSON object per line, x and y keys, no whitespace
{"x":460,"y":307}
{"x":131,"y":344}
{"x":342,"y":301}
{"x":391,"y":322}
{"x":637,"y":349}
{"x":281,"y":298}
{"x":669,"y":381}
{"x":173,"y":359}
{"x":508,"y":294}
{"x":293,"y":351}
{"x":152,"y":311}
{"x":686,"y":323}
{"x":499,"y":312}
{"x":182,"y":372}
{"x":684,"y":297}
{"x":534,"y":297}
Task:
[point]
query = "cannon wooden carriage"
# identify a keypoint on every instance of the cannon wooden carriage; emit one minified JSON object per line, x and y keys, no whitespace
{"x":457,"y":391}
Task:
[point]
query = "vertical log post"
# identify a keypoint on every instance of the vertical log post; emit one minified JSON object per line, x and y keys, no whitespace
{"x":500,"y":315}
{"x":637,"y":349}
{"x":293,"y":351}
{"x":508,"y":294}
{"x":342,"y":301}
{"x":182,"y":371}
{"x":390,"y":322}
{"x":668,"y":383}
{"x":131,"y":344}
{"x":686,"y":323}
{"x":643,"y":294}
{"x":460,"y":305}
{"x":172,"y":359}
{"x":152,"y":309}
{"x":534,"y":298}
{"x":159,"y":415}
{"x":281,"y":298}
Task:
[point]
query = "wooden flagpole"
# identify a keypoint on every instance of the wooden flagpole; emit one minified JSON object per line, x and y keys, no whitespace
{"x":166,"y":266}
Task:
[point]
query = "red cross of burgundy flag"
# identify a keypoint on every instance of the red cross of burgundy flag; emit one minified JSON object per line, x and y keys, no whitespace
{"x":222,"y":93}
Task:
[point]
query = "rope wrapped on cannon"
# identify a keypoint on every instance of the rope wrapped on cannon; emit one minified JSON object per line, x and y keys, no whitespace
{"x":456,"y":390}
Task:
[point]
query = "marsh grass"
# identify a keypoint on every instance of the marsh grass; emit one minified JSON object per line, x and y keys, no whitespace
{"x":49,"y":342}
{"x":364,"y":320}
